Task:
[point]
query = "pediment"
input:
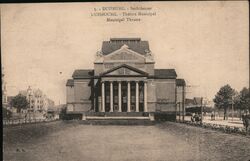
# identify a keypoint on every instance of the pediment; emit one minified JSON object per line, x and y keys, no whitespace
{"x":124,"y":70}
{"x":124,"y":54}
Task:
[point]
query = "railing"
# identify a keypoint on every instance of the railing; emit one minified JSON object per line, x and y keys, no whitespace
{"x":224,"y":128}
{"x":26,"y":121}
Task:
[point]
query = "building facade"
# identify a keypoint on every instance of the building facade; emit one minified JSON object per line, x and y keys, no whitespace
{"x":38,"y":101}
{"x":124,"y":79}
{"x":4,"y":90}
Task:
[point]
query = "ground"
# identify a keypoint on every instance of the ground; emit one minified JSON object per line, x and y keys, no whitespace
{"x":73,"y":141}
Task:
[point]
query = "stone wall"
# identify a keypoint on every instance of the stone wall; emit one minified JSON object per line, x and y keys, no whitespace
{"x":165,"y":90}
{"x":179,"y":98}
{"x":82,"y":92}
{"x":70,"y":94}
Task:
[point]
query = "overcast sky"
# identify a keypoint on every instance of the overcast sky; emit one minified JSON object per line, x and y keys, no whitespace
{"x":206,"y":42}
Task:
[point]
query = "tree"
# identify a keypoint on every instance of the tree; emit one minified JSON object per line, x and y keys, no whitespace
{"x":224,"y":99}
{"x":6,"y":113}
{"x":242,"y":101}
{"x":19,"y":102}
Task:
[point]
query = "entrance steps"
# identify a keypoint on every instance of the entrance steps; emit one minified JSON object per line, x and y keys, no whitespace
{"x":118,"y":114}
{"x":117,"y":118}
{"x":117,"y":122}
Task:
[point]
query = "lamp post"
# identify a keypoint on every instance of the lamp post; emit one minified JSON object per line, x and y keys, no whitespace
{"x":179,"y":111}
{"x":201,"y":110}
{"x":29,"y":94}
{"x":232,"y":109}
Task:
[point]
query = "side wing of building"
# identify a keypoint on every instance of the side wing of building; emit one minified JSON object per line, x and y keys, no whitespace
{"x":78,"y":91}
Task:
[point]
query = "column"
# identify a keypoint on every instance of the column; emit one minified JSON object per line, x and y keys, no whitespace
{"x":136,"y":96}
{"x":145,"y":97}
{"x":120,"y":96}
{"x":103,"y":96}
{"x":111,"y":96}
{"x":128,"y":96}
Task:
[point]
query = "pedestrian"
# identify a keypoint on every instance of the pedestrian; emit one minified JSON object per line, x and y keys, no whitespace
{"x":212,"y":116}
{"x":246,"y":120}
{"x":192,"y":117}
{"x":196,"y":117}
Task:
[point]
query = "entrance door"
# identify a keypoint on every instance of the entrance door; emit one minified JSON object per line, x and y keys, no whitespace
{"x":124,"y":97}
{"x":141,"y":98}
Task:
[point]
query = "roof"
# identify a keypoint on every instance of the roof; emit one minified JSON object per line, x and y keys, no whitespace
{"x":70,"y":82}
{"x":198,"y":100}
{"x":165,"y":73}
{"x":189,"y":101}
{"x":37,"y":92}
{"x":125,"y":39}
{"x":83,"y":73}
{"x":180,"y":82}
{"x":135,"y":44}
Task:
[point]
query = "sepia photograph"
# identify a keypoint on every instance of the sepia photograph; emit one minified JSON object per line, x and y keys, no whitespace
{"x":125,"y":81}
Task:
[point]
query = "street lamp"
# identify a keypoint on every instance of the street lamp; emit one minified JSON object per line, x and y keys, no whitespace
{"x":29,"y":92}
{"x":179,"y":111}
{"x":201,"y":110}
{"x":232,"y":109}
{"x":176,"y":111}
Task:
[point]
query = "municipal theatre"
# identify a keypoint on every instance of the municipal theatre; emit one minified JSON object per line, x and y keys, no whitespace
{"x":124,"y":80}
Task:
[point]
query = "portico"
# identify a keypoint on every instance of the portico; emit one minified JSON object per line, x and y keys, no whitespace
{"x":119,"y":95}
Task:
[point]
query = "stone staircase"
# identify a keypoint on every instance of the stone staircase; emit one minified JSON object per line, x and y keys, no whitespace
{"x":117,"y":118}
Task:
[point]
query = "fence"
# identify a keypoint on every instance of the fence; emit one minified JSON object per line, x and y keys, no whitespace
{"x":223,"y":128}
{"x":26,"y":121}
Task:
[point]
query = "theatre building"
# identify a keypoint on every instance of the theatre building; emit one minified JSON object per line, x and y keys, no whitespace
{"x":124,"y":80}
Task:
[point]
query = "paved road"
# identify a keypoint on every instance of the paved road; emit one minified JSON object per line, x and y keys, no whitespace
{"x":71,"y":141}
{"x":219,"y":121}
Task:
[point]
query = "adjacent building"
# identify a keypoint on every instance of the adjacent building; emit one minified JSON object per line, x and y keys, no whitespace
{"x":38,"y":101}
{"x":4,"y":90}
{"x":124,"y":79}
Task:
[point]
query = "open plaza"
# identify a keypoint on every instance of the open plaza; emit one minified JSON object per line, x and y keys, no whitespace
{"x":72,"y":140}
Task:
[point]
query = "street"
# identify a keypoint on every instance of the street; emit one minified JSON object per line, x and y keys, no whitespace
{"x":219,"y":121}
{"x":72,"y":141}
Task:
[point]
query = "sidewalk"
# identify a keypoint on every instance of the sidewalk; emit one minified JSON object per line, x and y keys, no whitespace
{"x":236,"y":122}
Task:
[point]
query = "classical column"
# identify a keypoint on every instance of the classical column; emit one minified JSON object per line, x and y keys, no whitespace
{"x":128,"y":96}
{"x":120,"y":96}
{"x":136,"y":96}
{"x":111,"y":96}
{"x":145,"y":97}
{"x":103,"y":96}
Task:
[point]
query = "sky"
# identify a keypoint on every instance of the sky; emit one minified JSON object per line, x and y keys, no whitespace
{"x":206,"y":43}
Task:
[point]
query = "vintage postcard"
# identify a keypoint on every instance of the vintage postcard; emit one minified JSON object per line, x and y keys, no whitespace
{"x":113,"y":81}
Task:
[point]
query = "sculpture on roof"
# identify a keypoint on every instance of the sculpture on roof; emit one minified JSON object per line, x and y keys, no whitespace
{"x":149,"y":54}
{"x":99,"y":54}
{"x":124,"y":46}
